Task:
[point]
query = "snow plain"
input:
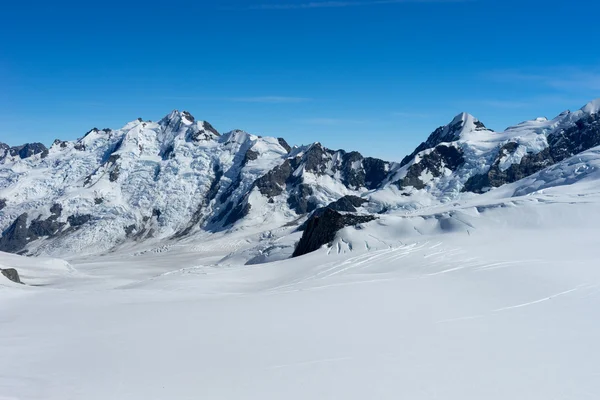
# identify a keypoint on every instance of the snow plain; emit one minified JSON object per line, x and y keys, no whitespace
{"x":491,"y":297}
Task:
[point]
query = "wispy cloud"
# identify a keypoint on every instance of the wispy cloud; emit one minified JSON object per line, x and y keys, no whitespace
{"x":505,"y":103}
{"x":330,"y":121}
{"x":244,"y":99}
{"x":339,"y":4}
{"x":557,"y":78}
{"x":408,"y":114}
{"x":270,"y":99}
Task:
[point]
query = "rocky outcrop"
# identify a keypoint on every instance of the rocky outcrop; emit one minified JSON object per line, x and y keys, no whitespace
{"x":321,"y":229}
{"x":2,"y":203}
{"x":435,"y":163}
{"x":447,"y":133}
{"x":28,"y":150}
{"x":583,"y":135}
{"x":496,"y":177}
{"x":11,"y":274}
{"x":273,"y":183}
{"x":284,"y":144}
{"x":347,"y":203}
{"x":15,"y":237}
{"x":24,"y":151}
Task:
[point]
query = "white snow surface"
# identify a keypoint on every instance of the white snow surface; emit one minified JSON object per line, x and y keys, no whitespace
{"x":486,"y":297}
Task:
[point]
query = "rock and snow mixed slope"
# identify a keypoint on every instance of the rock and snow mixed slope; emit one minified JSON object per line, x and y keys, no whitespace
{"x":179,"y":179}
{"x":441,"y":294}
{"x":166,"y":180}
{"x":491,"y":297}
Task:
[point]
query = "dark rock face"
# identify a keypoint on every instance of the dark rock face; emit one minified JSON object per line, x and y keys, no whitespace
{"x":376,"y":171}
{"x":2,"y":203}
{"x":584,"y":135}
{"x":313,"y":158}
{"x":11,"y":274}
{"x":239,"y":212}
{"x":78,"y":220}
{"x":300,"y":199}
{"x":210,"y":128}
{"x":495,"y":177}
{"x":250,"y":155}
{"x":344,"y":204}
{"x":188,"y":116}
{"x":18,"y":234}
{"x":15,"y":237}
{"x":28,"y":150}
{"x":56,"y":209}
{"x":273,"y":183}
{"x":42,"y":228}
{"x":347,"y":203}
{"x":115,"y":170}
{"x":448,"y":133}
{"x":284,"y":144}
{"x":321,"y":229}
{"x":435,"y":162}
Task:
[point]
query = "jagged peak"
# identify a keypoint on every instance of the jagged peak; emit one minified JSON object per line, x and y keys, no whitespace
{"x":177,"y":116}
{"x":466,"y":123}
{"x":593,"y":107}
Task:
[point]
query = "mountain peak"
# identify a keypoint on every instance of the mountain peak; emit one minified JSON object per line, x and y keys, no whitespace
{"x":177,"y":116}
{"x":593,"y":107}
{"x":465,"y":122}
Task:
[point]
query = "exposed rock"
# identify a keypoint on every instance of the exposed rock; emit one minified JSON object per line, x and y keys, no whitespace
{"x":210,"y":128}
{"x":28,"y":150}
{"x":435,"y":163}
{"x":239,"y":212}
{"x":447,"y":133}
{"x":2,"y":203}
{"x":376,"y":171}
{"x":495,"y":177}
{"x":15,"y":237}
{"x":584,"y":135}
{"x":56,"y":209}
{"x":300,"y":199}
{"x":11,"y":274}
{"x":18,"y":234}
{"x":250,"y":155}
{"x":321,"y":229}
{"x":78,"y":220}
{"x":188,"y":116}
{"x":344,"y":204}
{"x":347,"y":203}
{"x":273,"y":183}
{"x":42,"y":228}
{"x":352,"y":171}
{"x":284,"y":144}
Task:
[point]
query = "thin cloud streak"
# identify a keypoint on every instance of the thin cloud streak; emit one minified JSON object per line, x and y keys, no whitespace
{"x":560,"y":78}
{"x":270,"y":99}
{"x":329,"y":121}
{"x":340,"y":4}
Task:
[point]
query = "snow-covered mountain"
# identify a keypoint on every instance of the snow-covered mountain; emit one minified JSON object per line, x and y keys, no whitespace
{"x":168,"y":179}
{"x":180,"y":179}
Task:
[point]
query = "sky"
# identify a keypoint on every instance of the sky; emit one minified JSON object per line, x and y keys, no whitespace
{"x":375,"y":76}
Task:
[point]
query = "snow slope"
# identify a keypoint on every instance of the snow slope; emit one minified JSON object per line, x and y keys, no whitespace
{"x":489,"y":297}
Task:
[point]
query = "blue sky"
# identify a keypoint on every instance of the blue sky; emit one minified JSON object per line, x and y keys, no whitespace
{"x":375,"y":76}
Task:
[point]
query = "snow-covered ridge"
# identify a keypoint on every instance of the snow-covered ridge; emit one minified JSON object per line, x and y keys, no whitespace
{"x":179,"y":178}
{"x":175,"y":178}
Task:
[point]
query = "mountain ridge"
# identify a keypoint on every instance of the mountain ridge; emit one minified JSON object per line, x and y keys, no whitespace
{"x":180,"y":178}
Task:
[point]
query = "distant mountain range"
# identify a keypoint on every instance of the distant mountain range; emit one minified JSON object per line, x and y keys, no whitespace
{"x":180,"y":179}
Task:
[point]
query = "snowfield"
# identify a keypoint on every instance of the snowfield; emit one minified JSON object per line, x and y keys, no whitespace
{"x":468,"y":271}
{"x":490,"y":297}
